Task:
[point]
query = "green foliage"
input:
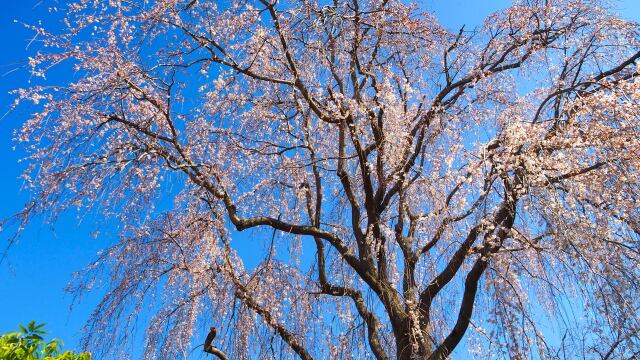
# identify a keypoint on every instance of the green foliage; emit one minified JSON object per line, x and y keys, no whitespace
{"x":29,"y":344}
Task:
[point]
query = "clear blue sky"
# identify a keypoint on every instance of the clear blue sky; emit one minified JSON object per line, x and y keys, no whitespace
{"x":39,"y":266}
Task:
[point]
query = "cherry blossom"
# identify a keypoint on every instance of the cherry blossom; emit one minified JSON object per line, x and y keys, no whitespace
{"x":409,"y":190}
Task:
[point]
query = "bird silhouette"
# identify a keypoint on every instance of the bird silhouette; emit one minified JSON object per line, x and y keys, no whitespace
{"x":208,"y":347}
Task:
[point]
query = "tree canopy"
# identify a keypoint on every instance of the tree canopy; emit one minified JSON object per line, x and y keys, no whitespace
{"x":408,"y":190}
{"x":29,"y":344}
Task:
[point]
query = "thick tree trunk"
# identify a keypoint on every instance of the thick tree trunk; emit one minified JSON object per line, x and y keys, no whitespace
{"x":408,"y":348}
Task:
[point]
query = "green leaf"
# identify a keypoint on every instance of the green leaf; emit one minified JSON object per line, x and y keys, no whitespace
{"x":30,"y":345}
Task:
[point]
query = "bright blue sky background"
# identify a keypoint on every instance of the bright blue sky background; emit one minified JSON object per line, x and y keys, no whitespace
{"x":40,"y":264}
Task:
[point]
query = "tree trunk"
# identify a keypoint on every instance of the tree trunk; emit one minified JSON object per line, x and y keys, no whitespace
{"x":408,"y":348}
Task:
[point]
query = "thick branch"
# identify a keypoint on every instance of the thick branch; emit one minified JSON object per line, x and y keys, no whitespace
{"x":215,"y":351}
{"x":465,"y":312}
{"x":242,"y":294}
{"x":373,"y":324}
